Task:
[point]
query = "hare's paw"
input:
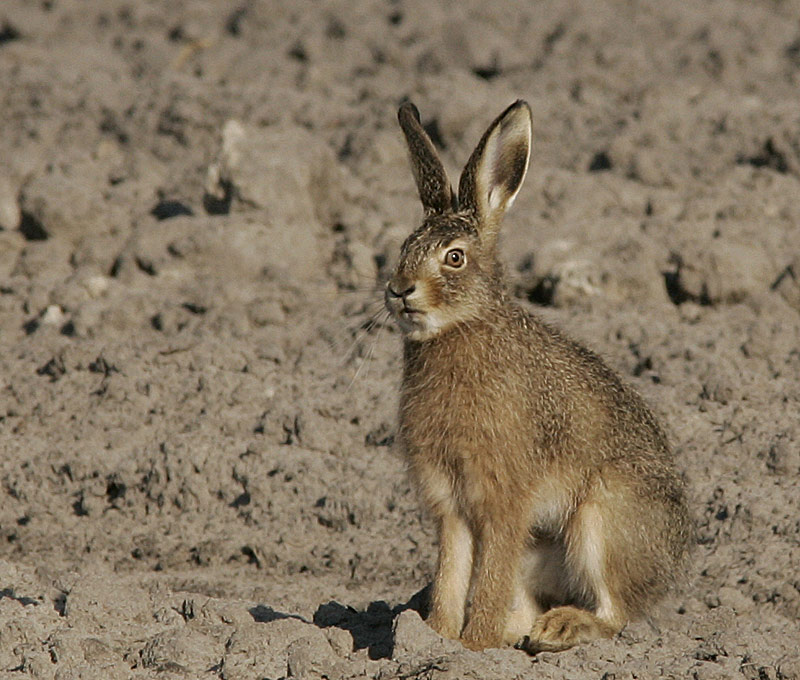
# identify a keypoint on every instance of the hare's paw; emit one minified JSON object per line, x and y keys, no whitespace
{"x":476,"y":644}
{"x":481,"y":633}
{"x":520,"y":619}
{"x":478,"y":640}
{"x":446,"y":626}
{"x":562,"y":628}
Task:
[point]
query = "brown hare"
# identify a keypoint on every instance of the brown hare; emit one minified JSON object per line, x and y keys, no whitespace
{"x":560,"y":514}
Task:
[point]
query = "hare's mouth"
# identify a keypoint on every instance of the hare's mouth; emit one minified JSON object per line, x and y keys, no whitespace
{"x":411,"y":314}
{"x":410,"y":318}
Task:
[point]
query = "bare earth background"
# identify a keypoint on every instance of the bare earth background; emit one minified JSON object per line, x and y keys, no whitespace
{"x":197,"y":202}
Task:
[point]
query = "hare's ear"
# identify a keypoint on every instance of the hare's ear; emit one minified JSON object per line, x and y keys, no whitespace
{"x":429,"y":173}
{"x":495,"y":170}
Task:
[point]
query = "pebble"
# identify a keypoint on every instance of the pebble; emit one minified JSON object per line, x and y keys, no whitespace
{"x":10,"y":213}
{"x":97,"y":285}
{"x":54,"y":316}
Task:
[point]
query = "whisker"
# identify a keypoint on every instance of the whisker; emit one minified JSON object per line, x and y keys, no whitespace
{"x":354,"y":290}
{"x":381,"y":325}
{"x":359,"y":283}
{"x":377,"y":319}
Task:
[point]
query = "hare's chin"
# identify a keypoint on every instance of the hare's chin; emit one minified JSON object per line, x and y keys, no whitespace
{"x":419,"y":326}
{"x":410,"y":322}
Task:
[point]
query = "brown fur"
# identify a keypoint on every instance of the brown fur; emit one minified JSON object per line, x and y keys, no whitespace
{"x":550,"y":480}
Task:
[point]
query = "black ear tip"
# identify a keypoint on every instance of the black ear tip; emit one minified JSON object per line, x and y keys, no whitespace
{"x":407,"y":109}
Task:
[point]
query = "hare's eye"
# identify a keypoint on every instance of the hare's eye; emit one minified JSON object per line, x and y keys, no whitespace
{"x":455,"y":258}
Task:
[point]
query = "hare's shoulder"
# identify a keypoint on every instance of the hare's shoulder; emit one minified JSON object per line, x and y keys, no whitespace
{"x":552,"y":343}
{"x":560,"y":359}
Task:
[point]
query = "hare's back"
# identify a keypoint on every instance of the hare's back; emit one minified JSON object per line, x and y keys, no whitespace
{"x":573,"y":385}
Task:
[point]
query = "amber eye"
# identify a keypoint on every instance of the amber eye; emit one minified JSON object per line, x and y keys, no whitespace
{"x":455,"y":258}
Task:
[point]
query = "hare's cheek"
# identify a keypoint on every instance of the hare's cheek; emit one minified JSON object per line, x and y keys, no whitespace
{"x":434,"y":295}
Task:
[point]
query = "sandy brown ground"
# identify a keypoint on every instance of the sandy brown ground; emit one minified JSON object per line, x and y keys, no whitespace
{"x":197,"y":202}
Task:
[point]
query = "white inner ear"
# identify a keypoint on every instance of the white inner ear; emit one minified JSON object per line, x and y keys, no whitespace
{"x":495,"y":199}
{"x":510,"y":199}
{"x":503,"y":140}
{"x":491,"y":158}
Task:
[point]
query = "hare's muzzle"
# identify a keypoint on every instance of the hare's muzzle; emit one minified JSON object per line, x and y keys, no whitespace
{"x":399,"y":302}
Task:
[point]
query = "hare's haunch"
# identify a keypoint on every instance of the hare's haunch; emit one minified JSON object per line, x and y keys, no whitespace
{"x":560,"y":514}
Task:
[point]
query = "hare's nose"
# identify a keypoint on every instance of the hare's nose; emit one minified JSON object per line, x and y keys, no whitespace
{"x":402,"y":293}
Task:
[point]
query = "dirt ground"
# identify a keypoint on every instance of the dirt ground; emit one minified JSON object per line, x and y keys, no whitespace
{"x":198,"y":201}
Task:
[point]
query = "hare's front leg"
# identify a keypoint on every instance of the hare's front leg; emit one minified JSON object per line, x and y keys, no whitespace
{"x":453,"y":570}
{"x":497,"y":558}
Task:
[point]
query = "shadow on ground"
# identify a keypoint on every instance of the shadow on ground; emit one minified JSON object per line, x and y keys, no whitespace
{"x":371,"y":628}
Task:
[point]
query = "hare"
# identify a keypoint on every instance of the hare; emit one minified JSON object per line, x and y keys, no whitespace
{"x":560,"y":515}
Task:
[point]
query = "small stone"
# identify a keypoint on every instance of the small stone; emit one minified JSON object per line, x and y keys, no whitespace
{"x":10,"y":212}
{"x":412,"y":635}
{"x":54,"y":316}
{"x":234,"y":139}
{"x":340,"y":641}
{"x":783,"y":457}
{"x":97,"y":285}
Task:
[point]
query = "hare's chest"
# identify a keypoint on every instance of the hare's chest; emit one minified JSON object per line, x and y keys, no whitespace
{"x":472,"y":402}
{"x":450,"y":416}
{"x":464,"y":440}
{"x":462,"y":472}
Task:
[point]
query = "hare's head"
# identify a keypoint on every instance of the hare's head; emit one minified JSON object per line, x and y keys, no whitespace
{"x":448,"y":270}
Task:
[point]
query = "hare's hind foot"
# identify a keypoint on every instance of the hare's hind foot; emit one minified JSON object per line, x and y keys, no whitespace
{"x":565,"y":627}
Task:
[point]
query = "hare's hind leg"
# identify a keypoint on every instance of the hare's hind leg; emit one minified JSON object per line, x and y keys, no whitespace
{"x":539,"y":579}
{"x":587,"y":545}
